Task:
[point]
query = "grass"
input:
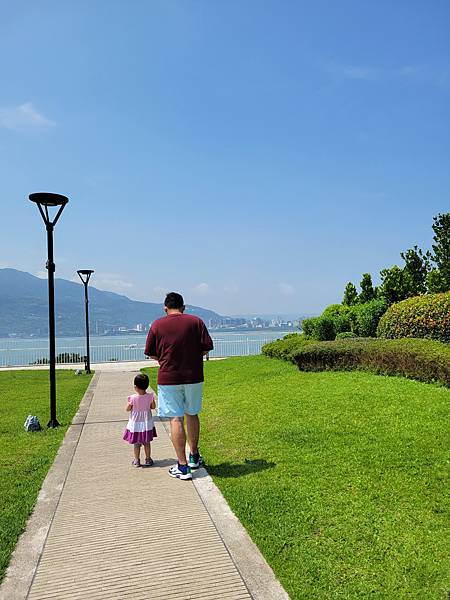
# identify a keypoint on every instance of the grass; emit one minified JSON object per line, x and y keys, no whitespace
{"x":340,"y":478}
{"x":26,"y":457}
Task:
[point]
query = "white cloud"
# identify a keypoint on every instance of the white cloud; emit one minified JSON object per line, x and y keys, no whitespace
{"x":42,"y":274}
{"x":202,"y":289}
{"x":23,"y":117}
{"x":286,"y":289}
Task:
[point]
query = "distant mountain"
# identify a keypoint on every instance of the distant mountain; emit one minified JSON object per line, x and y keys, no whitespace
{"x":24,"y":307}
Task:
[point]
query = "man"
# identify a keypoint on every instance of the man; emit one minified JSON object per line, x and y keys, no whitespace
{"x":179,"y":342}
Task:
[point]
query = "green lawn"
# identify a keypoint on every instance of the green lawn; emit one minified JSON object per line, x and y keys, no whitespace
{"x":26,"y":457}
{"x":340,"y":478}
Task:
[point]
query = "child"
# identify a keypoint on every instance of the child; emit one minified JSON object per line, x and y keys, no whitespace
{"x":140,"y":428}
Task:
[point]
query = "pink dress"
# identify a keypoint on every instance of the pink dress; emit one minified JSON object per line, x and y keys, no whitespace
{"x":140,"y":428}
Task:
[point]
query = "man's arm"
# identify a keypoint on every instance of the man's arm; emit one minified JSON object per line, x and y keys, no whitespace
{"x":205,"y":339}
{"x":150,"y":345}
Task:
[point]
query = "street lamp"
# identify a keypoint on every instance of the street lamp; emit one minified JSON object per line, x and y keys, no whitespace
{"x":85,"y":275}
{"x":44,"y":201}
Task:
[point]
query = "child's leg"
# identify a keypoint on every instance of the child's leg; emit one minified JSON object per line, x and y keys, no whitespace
{"x":147,"y":450}
{"x":137,"y":451}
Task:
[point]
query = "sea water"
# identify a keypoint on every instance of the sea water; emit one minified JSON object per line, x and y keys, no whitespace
{"x":24,"y":352}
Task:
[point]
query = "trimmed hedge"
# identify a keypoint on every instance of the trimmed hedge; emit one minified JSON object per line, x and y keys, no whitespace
{"x":424,"y":360}
{"x":283,"y":348}
{"x":418,"y":317}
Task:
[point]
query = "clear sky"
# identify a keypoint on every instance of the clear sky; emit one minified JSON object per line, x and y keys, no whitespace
{"x":254,"y":155}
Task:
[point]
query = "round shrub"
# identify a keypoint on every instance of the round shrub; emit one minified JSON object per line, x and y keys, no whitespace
{"x":319,"y":328}
{"x":324,"y":329}
{"x":341,"y":323}
{"x":336,"y":310}
{"x":365,"y":317}
{"x":418,"y":317}
{"x":340,"y":314}
{"x":308,"y":326}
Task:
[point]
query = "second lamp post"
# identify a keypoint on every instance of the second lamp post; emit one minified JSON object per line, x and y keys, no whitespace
{"x":85,"y":275}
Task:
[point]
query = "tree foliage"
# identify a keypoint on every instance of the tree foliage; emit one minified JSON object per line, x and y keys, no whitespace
{"x":350,"y":294}
{"x":396,"y":284}
{"x":441,"y":246}
{"x":368,"y":292}
{"x":417,"y":267}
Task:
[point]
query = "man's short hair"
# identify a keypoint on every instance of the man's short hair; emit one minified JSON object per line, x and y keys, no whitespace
{"x":174,"y":300}
{"x":141,"y":381}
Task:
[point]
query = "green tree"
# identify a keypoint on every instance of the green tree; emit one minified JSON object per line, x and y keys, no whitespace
{"x":436,"y":282}
{"x":367,"y":290}
{"x":350,"y":294}
{"x":417,"y":266}
{"x":396,"y":284}
{"x":441,"y":246}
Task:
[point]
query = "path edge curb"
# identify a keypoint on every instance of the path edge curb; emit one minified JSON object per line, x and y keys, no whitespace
{"x":253,"y":567}
{"x":27,"y":553}
{"x":256,"y":573}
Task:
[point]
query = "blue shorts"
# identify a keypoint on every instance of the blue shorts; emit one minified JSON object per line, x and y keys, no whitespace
{"x":176,"y":400}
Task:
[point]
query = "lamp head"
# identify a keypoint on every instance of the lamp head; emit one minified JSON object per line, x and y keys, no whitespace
{"x":85,"y":275}
{"x":48,"y":199}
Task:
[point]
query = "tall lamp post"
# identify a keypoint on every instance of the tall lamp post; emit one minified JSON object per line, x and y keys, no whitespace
{"x":85,"y":275}
{"x":44,"y":201}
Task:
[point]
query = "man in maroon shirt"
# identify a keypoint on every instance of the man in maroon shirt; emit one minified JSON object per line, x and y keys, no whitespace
{"x":179,"y":342}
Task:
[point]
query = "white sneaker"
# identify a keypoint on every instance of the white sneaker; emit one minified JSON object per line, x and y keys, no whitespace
{"x":180,"y":472}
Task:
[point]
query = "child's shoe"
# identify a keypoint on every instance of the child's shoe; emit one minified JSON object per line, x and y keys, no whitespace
{"x":136,"y":462}
{"x":148,"y":462}
{"x":196,"y":461}
{"x":180,"y":472}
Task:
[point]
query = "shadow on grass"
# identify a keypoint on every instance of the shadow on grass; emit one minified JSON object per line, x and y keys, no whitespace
{"x":227,"y":469}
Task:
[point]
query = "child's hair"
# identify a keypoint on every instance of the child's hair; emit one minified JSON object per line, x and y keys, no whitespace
{"x":141,"y":381}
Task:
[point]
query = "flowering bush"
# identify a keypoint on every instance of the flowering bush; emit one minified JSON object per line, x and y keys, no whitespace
{"x":419,"y":317}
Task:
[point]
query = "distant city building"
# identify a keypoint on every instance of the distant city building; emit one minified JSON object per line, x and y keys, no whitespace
{"x":240,"y":323}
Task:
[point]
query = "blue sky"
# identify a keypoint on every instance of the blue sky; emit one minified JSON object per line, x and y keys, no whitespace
{"x":253,"y":155}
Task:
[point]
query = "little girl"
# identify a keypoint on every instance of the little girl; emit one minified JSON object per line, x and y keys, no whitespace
{"x":140,"y":428}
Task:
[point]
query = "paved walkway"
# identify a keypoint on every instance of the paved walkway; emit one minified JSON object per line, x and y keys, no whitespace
{"x":104,"y":530}
{"x":116,"y":532}
{"x":121,"y":532}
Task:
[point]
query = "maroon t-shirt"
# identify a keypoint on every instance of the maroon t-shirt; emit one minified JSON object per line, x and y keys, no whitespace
{"x":178,"y":341}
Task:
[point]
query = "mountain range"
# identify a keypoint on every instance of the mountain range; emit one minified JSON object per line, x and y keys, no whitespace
{"x":24,"y":307}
